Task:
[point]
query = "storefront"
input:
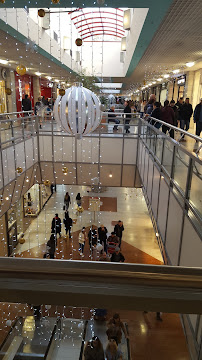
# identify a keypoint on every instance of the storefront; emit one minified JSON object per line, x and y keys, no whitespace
{"x":179,"y":87}
{"x":20,"y":216}
{"x":23,"y":86}
{"x":46,"y":88}
{"x":3,"y":105}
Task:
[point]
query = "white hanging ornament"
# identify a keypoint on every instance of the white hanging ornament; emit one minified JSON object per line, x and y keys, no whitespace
{"x":78,"y":111}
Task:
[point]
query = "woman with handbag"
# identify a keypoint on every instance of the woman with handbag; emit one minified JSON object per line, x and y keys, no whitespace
{"x":67,"y":201}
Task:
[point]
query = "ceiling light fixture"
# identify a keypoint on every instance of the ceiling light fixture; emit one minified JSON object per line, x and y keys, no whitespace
{"x":159,"y":79}
{"x":38,"y":73}
{"x":57,"y":81}
{"x":49,"y":78}
{"x":4,"y":62}
{"x":166,"y":76}
{"x":176,"y":71}
{"x":190,"y":64}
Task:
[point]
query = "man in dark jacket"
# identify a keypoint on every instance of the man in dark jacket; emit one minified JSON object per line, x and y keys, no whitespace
{"x":175,"y":109}
{"x":26,"y":104}
{"x":51,"y":245}
{"x":56,"y":225}
{"x":168,"y":116}
{"x":117,"y":256}
{"x":92,"y":236}
{"x":68,"y":223}
{"x":198,"y":118}
{"x":102,"y":233}
{"x":187,"y":112}
{"x":118,"y":229}
{"x":180,"y":108}
{"x":112,"y":118}
{"x":156,"y":113}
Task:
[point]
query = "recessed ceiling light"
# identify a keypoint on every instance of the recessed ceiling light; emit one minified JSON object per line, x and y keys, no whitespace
{"x":166,"y":76}
{"x":38,"y":73}
{"x":4,"y":62}
{"x":56,"y":80}
{"x":159,"y":79}
{"x":150,"y":84}
{"x":190,"y":64}
{"x":176,"y":71}
{"x":49,"y":77}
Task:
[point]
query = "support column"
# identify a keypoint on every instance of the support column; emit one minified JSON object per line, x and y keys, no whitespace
{"x":36,"y":88}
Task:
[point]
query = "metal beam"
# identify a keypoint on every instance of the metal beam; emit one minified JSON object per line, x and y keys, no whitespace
{"x":93,"y":284}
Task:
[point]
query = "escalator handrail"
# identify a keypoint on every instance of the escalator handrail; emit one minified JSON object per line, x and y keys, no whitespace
{"x":52,"y":336}
{"x":128,"y":342}
{"x":10,"y":331}
{"x":83,"y":340}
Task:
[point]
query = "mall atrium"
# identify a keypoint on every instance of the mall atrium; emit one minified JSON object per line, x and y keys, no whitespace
{"x":100,"y":180}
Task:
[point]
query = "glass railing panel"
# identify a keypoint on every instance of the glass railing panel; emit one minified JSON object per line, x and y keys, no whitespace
{"x":167,"y":155}
{"x":195,"y":195}
{"x":181,"y":162}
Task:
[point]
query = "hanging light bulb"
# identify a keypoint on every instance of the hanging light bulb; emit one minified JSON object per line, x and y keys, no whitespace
{"x":8,"y":91}
{"x":65,"y":170}
{"x":62,"y":92}
{"x":41,"y":13}
{"x":78,"y":111}
{"x":19,"y":170}
{"x":78,"y":42}
{"x":21,"y":69}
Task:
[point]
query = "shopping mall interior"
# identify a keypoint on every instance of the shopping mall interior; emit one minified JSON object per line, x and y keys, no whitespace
{"x":100,"y":173}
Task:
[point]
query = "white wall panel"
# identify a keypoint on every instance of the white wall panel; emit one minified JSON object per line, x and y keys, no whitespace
{"x":162,"y":211}
{"x":20,"y":155}
{"x":146,"y":159}
{"x":130,"y":151}
{"x":128,"y":177}
{"x":35,"y":149}
{"x":111,"y":150}
{"x":115,"y":170}
{"x":150,"y":177}
{"x":45,"y":144}
{"x":155,"y":190}
{"x":174,"y":226}
{"x":29,"y":153}
{"x":88,"y":150}
{"x":191,"y":251}
{"x":64,"y":148}
{"x":8,"y":164}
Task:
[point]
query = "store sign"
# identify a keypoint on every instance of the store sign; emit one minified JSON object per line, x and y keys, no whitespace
{"x":181,"y":81}
{"x":20,"y":89}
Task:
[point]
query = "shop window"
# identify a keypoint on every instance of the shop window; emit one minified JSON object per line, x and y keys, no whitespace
{"x":31,"y":201}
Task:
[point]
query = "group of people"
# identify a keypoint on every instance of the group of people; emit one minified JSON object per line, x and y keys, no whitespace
{"x":100,"y":243}
{"x":94,"y":348}
{"x":172,"y":112}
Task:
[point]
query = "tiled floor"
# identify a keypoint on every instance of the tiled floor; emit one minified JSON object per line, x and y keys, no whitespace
{"x":131,"y":209}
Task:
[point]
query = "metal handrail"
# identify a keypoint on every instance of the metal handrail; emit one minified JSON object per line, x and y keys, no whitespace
{"x":10,"y":331}
{"x":51,"y":338}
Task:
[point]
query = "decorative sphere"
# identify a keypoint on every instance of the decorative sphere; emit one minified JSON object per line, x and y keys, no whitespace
{"x":65,"y":170}
{"x":41,"y":12}
{"x":78,"y":42}
{"x":55,"y":1}
{"x":21,"y":240}
{"x":78,"y":111}
{"x":8,"y":91}
{"x":62,"y":92}
{"x":80,"y":209}
{"x":2,"y":1}
{"x":21,"y":69}
{"x":8,"y":322}
{"x":19,"y":170}
{"x":47,"y":182}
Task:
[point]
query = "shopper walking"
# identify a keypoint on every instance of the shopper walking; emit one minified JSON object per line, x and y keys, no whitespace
{"x":168,"y":116}
{"x":118,"y":229}
{"x":156,"y":114}
{"x":67,"y":201}
{"x":117,"y":256}
{"x":127,"y":110}
{"x":26,"y":104}
{"x":198,"y":121}
{"x":187,"y":111}
{"x":115,"y":329}
{"x":175,"y":109}
{"x":56,"y":225}
{"x":82,"y":240}
{"x":92,"y":236}
{"x":94,"y":350}
{"x":68,"y":223}
{"x":78,"y":199}
{"x":112,"y":352}
{"x":51,"y":246}
{"x":102,"y":234}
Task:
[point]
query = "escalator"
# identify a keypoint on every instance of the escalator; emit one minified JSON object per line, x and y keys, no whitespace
{"x":54,"y":339}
